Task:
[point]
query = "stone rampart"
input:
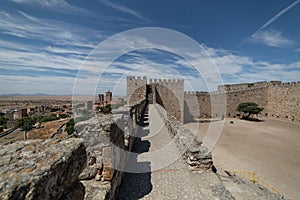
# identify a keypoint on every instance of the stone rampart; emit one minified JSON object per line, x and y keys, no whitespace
{"x":242,"y":86}
{"x":284,"y":101}
{"x":109,"y":138}
{"x":192,"y":150}
{"x":279,"y":100}
{"x":169,"y":93}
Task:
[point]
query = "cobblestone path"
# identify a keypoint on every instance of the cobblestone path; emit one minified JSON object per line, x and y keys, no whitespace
{"x":162,"y":172}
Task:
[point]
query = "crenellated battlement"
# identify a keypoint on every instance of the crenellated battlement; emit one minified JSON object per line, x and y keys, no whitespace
{"x":279,"y":99}
{"x":136,"y":78}
{"x":196,"y":92}
{"x":162,"y":81}
{"x":246,"y":86}
{"x":279,"y":83}
{"x":243,"y":86}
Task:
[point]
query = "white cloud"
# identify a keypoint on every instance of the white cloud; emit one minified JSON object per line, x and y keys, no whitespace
{"x":26,"y":26}
{"x":271,"y":38}
{"x":232,"y":67}
{"x":123,"y":9}
{"x":58,"y":5}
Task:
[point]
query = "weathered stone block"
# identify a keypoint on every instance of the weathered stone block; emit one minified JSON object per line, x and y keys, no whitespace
{"x":39,"y":169}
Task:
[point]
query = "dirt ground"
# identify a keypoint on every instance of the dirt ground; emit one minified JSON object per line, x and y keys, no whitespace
{"x":17,"y":135}
{"x":270,"y":148}
{"x":47,"y":131}
{"x":42,"y":133}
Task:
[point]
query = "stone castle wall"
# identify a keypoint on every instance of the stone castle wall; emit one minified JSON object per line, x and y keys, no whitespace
{"x":284,"y":100}
{"x":170,"y":95}
{"x":242,"y":86}
{"x":280,"y":100}
{"x":136,"y":89}
{"x":108,"y":139}
{"x":234,"y":98}
{"x":196,"y":105}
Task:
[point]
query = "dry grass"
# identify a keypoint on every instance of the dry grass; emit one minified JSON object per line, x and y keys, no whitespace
{"x":47,"y":131}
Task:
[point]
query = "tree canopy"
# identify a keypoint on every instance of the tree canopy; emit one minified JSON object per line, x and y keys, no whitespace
{"x":248,"y":109}
{"x":70,"y":126}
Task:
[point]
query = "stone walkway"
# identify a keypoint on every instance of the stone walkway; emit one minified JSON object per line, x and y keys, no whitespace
{"x":162,"y":172}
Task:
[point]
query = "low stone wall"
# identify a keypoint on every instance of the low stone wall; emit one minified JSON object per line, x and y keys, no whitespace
{"x":108,"y":139}
{"x":192,"y":150}
{"x":37,"y":169}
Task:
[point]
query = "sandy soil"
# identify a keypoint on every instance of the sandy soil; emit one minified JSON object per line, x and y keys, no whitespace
{"x":270,"y":148}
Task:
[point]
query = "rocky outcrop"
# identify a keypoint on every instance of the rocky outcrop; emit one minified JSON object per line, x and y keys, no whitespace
{"x":37,"y":169}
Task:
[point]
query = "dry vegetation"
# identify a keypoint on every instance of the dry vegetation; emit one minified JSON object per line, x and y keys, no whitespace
{"x":47,"y":131}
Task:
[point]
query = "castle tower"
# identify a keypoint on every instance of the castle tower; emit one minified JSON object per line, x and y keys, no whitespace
{"x":108,"y":96}
{"x":136,"y":89}
{"x":101,"y":98}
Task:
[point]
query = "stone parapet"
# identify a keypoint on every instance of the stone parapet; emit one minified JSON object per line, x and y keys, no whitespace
{"x":192,"y":150}
{"x":109,"y":138}
{"x":37,"y":169}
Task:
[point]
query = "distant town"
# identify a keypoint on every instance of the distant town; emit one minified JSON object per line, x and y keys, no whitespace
{"x":42,"y":117}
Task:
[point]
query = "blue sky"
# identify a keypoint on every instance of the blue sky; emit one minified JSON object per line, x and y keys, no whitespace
{"x":43,"y":43}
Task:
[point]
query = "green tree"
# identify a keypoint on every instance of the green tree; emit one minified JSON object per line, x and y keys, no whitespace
{"x":63,"y":115}
{"x":70,"y":126}
{"x":249,"y":109}
{"x":48,"y":118}
{"x":106,"y":109}
{"x":3,"y":121}
{"x":25,"y":123}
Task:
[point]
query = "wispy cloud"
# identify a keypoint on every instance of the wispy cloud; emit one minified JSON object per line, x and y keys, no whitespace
{"x":275,"y":17}
{"x":26,"y":26}
{"x":59,"y":49}
{"x":233,"y":68}
{"x":58,"y":5}
{"x":124,"y":9}
{"x":272,"y":38}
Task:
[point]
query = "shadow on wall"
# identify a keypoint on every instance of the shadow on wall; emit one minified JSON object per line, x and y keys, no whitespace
{"x":188,"y":117}
{"x":137,"y":185}
{"x":158,"y":98}
{"x":168,"y":100}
